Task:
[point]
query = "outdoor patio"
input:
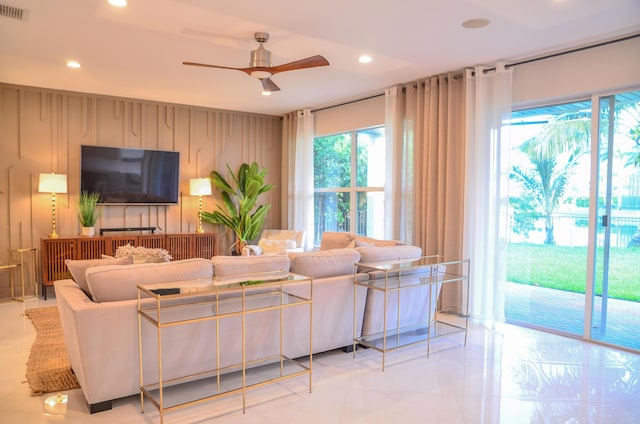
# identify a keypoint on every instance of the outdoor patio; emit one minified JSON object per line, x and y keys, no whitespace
{"x":564,"y":311}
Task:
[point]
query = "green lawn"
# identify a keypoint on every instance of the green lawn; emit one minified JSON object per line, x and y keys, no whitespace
{"x":565,"y":268}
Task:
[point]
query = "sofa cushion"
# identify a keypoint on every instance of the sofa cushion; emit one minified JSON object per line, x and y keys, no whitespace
{"x":364,"y":241}
{"x":337,"y":240}
{"x":235,"y":268}
{"x":388,"y":253}
{"x":78,"y":267}
{"x":115,"y":282}
{"x":324,"y":263}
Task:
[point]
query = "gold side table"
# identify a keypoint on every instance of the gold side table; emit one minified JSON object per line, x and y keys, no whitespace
{"x":18,"y":260}
{"x":12,"y":267}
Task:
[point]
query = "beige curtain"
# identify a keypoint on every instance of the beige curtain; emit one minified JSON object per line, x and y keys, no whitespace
{"x":426,"y":123}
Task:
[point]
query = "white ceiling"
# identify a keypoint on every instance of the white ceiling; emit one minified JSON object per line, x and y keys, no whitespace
{"x":138,"y":51}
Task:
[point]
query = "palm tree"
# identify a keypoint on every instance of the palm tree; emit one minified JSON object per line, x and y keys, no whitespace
{"x":545,"y":184}
{"x":553,"y":155}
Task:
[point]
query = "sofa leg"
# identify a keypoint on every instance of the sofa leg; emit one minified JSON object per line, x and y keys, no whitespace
{"x":100,"y":406}
{"x":348,"y":348}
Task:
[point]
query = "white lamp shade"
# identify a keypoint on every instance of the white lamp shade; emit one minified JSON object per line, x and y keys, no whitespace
{"x":199,"y":186}
{"x":52,"y":183}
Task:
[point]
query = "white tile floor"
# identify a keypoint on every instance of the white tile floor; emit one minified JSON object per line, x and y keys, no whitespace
{"x":505,"y":374}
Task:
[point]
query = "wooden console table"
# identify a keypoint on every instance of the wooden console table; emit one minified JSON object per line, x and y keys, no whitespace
{"x":55,"y":251}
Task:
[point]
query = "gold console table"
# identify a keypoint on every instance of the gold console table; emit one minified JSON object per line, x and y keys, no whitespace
{"x":182,"y":303}
{"x":395,"y":277}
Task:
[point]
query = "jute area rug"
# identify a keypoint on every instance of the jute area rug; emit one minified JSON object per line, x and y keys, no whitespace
{"x":48,"y":368}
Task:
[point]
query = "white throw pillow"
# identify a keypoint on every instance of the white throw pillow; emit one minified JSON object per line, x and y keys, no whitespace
{"x":142,"y":254}
{"x":278,"y":246}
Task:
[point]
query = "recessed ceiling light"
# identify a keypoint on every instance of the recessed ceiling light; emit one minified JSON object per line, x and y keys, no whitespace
{"x":476,"y":23}
{"x":266,"y":93}
{"x":73,"y":64}
{"x":365,"y":59}
{"x":118,"y":3}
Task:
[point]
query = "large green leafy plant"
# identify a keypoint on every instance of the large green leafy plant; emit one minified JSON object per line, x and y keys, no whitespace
{"x":240,"y":211}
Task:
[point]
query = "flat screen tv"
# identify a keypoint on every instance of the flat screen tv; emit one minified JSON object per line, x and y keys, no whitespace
{"x":123,"y":175}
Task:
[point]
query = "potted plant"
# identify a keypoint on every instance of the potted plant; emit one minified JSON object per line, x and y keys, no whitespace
{"x":240,"y":211}
{"x":87,"y":212}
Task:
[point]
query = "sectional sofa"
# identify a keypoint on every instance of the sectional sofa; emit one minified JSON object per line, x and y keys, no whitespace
{"x":98,"y":310}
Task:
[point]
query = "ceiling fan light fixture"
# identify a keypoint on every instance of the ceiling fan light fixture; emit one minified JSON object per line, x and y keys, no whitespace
{"x":118,"y":3}
{"x":261,"y":74}
{"x":268,"y":86}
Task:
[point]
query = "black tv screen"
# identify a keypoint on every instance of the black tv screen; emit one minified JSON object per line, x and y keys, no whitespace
{"x":130,"y":176}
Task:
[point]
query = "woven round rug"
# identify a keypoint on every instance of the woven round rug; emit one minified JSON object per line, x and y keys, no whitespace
{"x":48,"y":367}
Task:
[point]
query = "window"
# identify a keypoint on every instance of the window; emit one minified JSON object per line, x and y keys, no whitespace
{"x":349,"y":173}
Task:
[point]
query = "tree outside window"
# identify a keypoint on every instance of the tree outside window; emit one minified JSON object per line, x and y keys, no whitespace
{"x":349,"y":172}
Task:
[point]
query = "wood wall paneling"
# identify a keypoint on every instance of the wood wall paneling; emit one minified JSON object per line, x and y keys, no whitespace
{"x":41,"y":130}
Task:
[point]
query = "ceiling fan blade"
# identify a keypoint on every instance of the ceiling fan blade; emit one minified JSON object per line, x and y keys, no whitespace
{"x":269,"y":85}
{"x":309,"y":62}
{"x":213,"y":66}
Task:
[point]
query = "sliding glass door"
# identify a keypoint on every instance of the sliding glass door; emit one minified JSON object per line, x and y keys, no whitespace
{"x":549,"y":208}
{"x":574,"y":249}
{"x":614,"y":302}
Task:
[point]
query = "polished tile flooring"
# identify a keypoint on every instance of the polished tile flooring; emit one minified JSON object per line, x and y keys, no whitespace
{"x":505,"y":374}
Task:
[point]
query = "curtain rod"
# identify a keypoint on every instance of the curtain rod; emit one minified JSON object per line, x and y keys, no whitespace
{"x":578,"y":49}
{"x":506,"y":66}
{"x":349,"y":102}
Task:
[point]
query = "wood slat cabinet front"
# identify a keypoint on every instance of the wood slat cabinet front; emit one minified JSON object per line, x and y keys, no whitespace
{"x":55,"y":251}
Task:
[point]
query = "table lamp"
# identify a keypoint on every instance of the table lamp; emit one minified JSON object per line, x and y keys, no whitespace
{"x":53,"y":183}
{"x":200,"y":187}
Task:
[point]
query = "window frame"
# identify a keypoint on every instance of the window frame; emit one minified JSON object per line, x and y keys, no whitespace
{"x":353,"y":189}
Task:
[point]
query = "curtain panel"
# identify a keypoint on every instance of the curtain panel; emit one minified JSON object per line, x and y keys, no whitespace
{"x":426,"y":163}
{"x":486,"y":222}
{"x":447,"y":176}
{"x":297,"y":171}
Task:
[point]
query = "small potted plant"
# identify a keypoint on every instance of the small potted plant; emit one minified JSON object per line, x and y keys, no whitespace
{"x":87,"y":212}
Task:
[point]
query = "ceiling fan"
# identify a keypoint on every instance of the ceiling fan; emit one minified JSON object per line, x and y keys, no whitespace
{"x":260,"y":64}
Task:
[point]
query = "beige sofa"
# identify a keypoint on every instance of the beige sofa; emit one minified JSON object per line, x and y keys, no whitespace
{"x":99,"y":319}
{"x":415,"y":303}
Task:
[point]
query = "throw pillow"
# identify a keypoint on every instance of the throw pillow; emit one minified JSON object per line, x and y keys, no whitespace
{"x":78,"y":267}
{"x":142,"y":254}
{"x":278,"y":246}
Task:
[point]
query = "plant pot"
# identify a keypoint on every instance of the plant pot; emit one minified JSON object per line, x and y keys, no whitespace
{"x":88,"y":231}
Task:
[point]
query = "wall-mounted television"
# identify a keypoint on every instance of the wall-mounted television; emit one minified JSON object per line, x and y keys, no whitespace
{"x":122,"y":175}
